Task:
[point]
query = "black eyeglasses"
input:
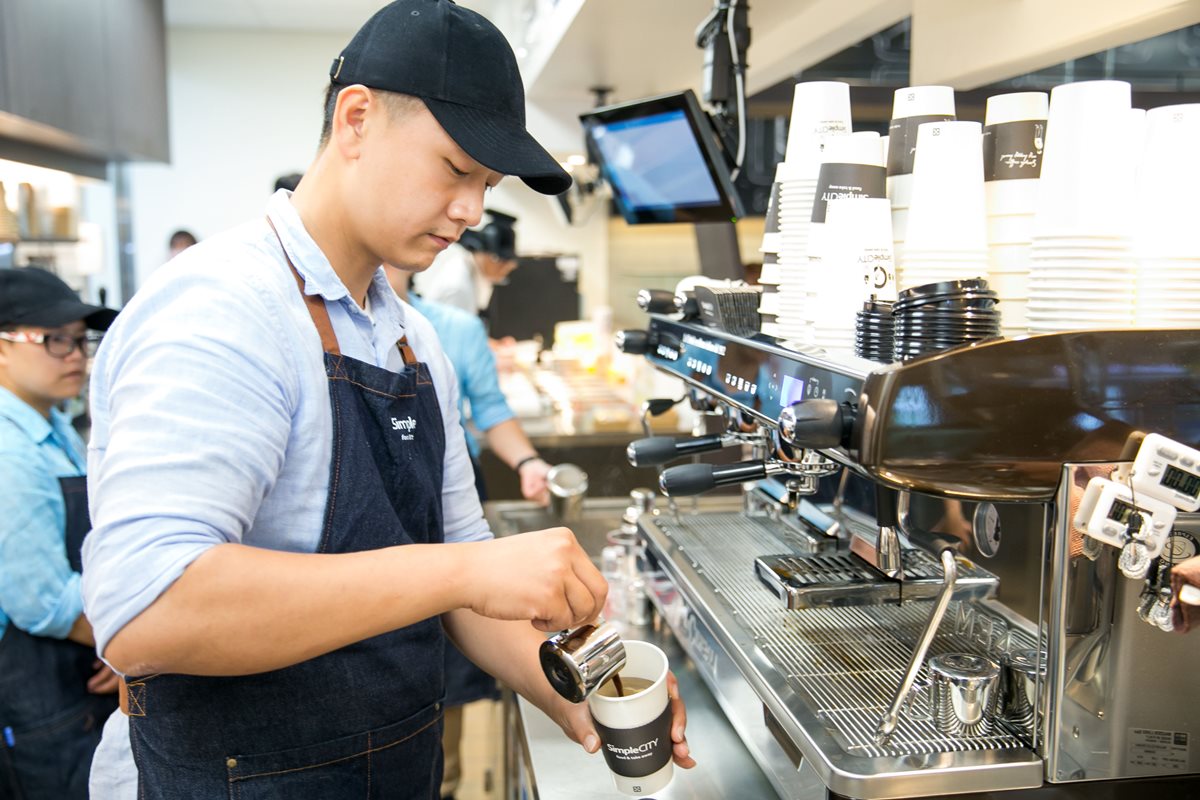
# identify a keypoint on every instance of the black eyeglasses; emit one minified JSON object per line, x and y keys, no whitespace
{"x":59,"y":345}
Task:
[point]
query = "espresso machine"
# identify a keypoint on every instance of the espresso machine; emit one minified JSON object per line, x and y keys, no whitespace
{"x":909,"y":603}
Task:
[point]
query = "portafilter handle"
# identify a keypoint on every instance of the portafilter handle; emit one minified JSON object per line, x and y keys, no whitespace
{"x":688,"y":479}
{"x":578,"y":662}
{"x":657,"y":450}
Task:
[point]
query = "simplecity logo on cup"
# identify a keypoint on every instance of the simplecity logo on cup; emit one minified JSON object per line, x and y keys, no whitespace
{"x":634,"y":752}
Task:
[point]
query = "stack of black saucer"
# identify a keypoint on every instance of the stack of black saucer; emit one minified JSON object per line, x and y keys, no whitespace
{"x":938,"y":316}
{"x":874,"y":336}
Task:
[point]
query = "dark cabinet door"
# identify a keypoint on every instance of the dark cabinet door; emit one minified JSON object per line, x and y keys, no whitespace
{"x":53,"y":57}
{"x":94,"y":70}
{"x":137,"y":69}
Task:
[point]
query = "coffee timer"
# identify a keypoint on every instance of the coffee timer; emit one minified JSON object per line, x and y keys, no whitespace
{"x":1167,"y":470}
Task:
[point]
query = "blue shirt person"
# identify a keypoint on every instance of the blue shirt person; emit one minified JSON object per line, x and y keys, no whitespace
{"x":54,"y":694}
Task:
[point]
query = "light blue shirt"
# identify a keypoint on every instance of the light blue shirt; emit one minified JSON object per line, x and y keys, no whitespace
{"x":39,"y":592}
{"x":211,"y":419}
{"x":466,"y":344}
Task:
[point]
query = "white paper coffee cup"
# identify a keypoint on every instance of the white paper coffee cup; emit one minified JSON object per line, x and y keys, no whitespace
{"x":635,"y":731}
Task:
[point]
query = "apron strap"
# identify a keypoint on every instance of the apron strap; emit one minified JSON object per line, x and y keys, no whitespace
{"x":406,"y":352}
{"x":314,"y":303}
{"x":320,"y":314}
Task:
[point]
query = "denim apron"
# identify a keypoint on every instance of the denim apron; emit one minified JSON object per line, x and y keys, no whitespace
{"x":360,"y":722}
{"x":50,"y":722}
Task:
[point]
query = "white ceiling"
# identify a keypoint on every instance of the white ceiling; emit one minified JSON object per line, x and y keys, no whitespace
{"x":316,"y":16}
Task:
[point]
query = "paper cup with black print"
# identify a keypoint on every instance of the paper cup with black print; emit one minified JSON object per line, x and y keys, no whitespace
{"x":635,"y":730}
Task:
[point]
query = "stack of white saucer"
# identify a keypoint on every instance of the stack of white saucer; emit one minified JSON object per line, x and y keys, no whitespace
{"x":947,"y":235}
{"x":1082,"y":270}
{"x":911,"y":107}
{"x":1167,"y":220}
{"x":1014,"y":136}
{"x":820,"y":110}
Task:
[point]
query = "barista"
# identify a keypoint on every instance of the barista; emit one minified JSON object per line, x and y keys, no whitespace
{"x":54,"y":694}
{"x":265,"y":413}
{"x":466,"y":273}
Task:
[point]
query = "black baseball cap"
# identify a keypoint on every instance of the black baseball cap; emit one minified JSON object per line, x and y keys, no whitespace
{"x":462,"y":67}
{"x":39,"y":299}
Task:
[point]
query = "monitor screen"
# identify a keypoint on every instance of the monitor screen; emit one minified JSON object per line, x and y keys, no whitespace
{"x":662,"y":160}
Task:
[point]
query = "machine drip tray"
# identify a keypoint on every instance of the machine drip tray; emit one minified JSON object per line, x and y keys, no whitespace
{"x":844,"y":579}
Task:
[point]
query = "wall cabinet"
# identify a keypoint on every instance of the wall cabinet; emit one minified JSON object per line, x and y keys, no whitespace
{"x":93,"y":70}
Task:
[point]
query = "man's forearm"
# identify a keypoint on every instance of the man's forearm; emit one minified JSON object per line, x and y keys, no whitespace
{"x":238,"y":610}
{"x":507,"y":650}
{"x":509,"y":442}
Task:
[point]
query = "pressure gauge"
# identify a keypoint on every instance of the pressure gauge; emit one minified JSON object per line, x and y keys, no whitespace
{"x":1168,"y":471}
{"x":985,"y":526}
{"x":1109,"y":513}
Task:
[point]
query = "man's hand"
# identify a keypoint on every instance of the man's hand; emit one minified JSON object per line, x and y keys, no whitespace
{"x":533,"y":481}
{"x":543,"y":576}
{"x":576,"y":722}
{"x":105,"y":681}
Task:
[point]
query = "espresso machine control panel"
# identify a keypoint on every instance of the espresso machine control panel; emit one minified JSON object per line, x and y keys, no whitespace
{"x":753,"y":375}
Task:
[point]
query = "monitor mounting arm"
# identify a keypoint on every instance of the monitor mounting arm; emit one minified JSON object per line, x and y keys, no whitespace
{"x":724,"y":35}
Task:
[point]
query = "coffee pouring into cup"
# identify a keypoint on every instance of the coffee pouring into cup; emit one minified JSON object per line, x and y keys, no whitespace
{"x":578,"y":662}
{"x":634,"y":720}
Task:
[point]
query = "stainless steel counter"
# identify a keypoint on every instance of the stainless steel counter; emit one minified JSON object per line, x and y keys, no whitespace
{"x":544,"y":764}
{"x":562,"y":770}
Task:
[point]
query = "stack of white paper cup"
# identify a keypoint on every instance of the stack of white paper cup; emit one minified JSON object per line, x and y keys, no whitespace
{"x":1167,"y":220}
{"x":947,"y":234}
{"x":852,"y":170}
{"x":1014,"y":137}
{"x":1082,"y":270}
{"x":857,"y":263}
{"x":820,"y":113}
{"x":911,"y":107}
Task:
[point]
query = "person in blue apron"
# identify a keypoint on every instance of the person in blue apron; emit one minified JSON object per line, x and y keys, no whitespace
{"x":285,"y":517}
{"x":54,"y":693}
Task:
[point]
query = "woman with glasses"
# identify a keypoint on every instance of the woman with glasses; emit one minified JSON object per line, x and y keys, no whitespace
{"x":54,"y":693}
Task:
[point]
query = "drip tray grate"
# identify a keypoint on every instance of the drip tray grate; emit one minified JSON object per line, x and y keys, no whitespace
{"x":844,"y":662}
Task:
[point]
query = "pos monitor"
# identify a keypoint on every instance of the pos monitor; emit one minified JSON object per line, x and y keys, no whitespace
{"x":662,"y":158}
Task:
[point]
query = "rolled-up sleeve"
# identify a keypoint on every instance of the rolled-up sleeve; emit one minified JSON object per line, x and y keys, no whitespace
{"x":39,"y":592}
{"x":196,"y":393}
